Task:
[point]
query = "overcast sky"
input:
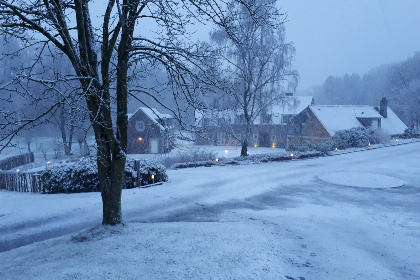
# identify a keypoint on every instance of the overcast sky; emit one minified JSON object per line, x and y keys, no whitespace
{"x":334,"y":37}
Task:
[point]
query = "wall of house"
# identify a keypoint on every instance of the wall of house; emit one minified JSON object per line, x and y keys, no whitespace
{"x":306,"y":127}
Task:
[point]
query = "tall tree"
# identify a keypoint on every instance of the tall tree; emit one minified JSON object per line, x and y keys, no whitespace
{"x":256,"y":60}
{"x":101,"y":58}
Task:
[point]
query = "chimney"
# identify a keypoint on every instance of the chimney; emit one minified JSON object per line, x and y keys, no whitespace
{"x":383,"y":107}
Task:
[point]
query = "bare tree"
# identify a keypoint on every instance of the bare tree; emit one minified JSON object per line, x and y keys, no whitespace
{"x":102,"y":57}
{"x":256,"y":61}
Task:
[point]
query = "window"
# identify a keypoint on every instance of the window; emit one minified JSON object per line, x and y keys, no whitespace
{"x":221,"y":138}
{"x":375,"y":124}
{"x":221,"y":121}
{"x":140,"y":126}
{"x":206,"y":122}
{"x":286,"y":118}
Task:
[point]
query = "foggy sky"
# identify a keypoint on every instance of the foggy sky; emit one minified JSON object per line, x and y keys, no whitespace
{"x":334,"y":37}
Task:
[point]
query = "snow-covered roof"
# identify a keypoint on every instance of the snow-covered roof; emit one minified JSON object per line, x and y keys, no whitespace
{"x":341,"y":117}
{"x":392,"y":124}
{"x":153,"y":115}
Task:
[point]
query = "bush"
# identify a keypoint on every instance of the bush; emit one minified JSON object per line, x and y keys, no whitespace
{"x":351,"y":138}
{"x":345,"y":139}
{"x":147,"y":168}
{"x":378,"y":136}
{"x":187,"y":156}
{"x":82,"y":176}
{"x":408,"y":134}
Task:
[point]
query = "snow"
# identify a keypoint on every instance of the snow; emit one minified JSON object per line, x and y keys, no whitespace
{"x":258,"y":221}
{"x":361,"y":180}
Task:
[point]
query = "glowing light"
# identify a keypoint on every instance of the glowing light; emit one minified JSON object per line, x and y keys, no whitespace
{"x":336,"y":149}
{"x":226,"y":151}
{"x":48,"y":162}
{"x":273,"y":145}
{"x":140,"y":139}
{"x":217,"y":160}
{"x":396,"y":140}
{"x":17,"y":170}
{"x":255,"y":145}
{"x":292,"y":155}
{"x":369,"y":144}
{"x":152,"y":176}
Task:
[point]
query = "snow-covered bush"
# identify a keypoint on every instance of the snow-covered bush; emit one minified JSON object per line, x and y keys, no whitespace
{"x":73,"y":178}
{"x":378,"y":136}
{"x":344,"y":139}
{"x":82,"y":176}
{"x":351,"y":138}
{"x":408,"y":134}
{"x":188,"y":156}
{"x":147,"y":168}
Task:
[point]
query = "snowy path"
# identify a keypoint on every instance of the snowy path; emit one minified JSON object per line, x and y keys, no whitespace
{"x":315,"y":229}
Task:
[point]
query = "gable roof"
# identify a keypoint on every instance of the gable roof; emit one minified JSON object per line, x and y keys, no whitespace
{"x":154,"y":115}
{"x":341,"y":117}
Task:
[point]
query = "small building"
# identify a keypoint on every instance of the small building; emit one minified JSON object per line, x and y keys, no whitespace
{"x":269,"y":129}
{"x":318,"y":123}
{"x":149,"y":132}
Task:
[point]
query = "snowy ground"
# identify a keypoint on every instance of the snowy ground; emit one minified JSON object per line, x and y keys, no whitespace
{"x":261,"y":221}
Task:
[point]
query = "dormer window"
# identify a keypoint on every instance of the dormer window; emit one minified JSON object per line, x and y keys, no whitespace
{"x":140,"y":126}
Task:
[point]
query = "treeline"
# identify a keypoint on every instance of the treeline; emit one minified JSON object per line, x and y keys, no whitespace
{"x":399,"y":83}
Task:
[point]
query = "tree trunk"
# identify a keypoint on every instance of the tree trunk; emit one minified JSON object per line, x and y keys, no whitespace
{"x":110,"y":177}
{"x":244,"y":149}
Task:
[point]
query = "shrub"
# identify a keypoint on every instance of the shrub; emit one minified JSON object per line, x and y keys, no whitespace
{"x":378,"y":136}
{"x":186,"y":156}
{"x":82,"y":176}
{"x":344,"y":139}
{"x":351,"y":138}
{"x":147,"y":168}
{"x":408,"y":134}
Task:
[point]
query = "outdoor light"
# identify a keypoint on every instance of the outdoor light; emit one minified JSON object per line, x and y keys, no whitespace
{"x":255,"y":145}
{"x":140,"y":139}
{"x":17,"y":170}
{"x":291,"y":155}
{"x":152,"y":176}
{"x":396,"y":140}
{"x":226,"y":151}
{"x":369,"y":144}
{"x":273,"y":145}
{"x":336,"y":149}
{"x":217,"y":160}
{"x":48,"y":162}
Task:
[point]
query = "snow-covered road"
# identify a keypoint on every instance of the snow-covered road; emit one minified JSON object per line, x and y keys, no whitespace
{"x":326,"y":230}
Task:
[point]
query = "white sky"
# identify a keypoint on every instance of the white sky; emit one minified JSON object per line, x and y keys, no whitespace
{"x":334,"y":37}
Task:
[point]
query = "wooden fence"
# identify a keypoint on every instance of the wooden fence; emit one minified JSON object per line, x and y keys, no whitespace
{"x":20,"y":181}
{"x":14,"y":161}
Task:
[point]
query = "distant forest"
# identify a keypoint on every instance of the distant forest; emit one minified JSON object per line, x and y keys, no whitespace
{"x":398,"y":82}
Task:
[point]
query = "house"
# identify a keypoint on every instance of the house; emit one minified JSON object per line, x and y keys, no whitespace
{"x":318,"y":123}
{"x":149,"y":132}
{"x":225,"y":127}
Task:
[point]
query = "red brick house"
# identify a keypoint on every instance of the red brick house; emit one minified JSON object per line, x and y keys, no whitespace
{"x":149,"y":132}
